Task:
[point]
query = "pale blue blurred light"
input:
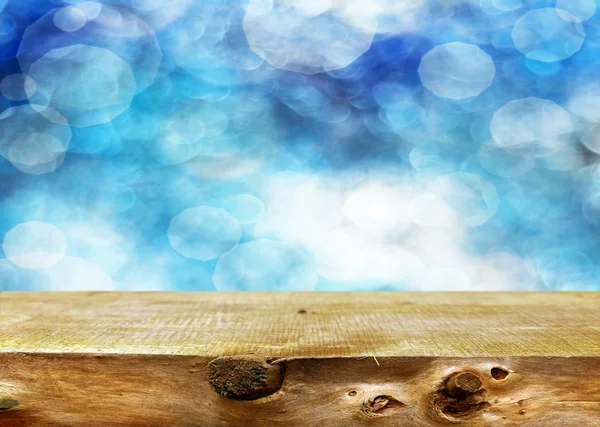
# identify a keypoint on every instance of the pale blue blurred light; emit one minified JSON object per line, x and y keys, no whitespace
{"x":204,"y":232}
{"x":457,"y":70}
{"x":33,"y":138}
{"x":70,"y":19}
{"x":71,"y":79}
{"x":508,"y":5}
{"x":10,"y":277}
{"x":112,"y":28}
{"x":498,"y":162}
{"x":582,"y":9}
{"x":543,"y":68}
{"x":531,"y":127}
{"x":162,"y":160}
{"x":265,"y":265}
{"x":34,"y":245}
{"x":470,"y":194}
{"x":405,"y":114}
{"x":101,"y":139}
{"x":17,"y":87}
{"x":245,"y":207}
{"x":548,"y":34}
{"x":290,"y":39}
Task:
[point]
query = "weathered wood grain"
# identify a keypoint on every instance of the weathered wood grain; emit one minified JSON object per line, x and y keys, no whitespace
{"x":303,"y":324}
{"x":346,"y":359}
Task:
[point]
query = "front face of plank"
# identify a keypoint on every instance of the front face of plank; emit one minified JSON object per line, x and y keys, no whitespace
{"x":108,"y":359}
{"x":158,"y":390}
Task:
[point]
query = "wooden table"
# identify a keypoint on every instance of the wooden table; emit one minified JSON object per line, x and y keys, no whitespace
{"x":300,"y":359}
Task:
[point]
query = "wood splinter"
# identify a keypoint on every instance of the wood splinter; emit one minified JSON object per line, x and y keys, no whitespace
{"x":244,"y":378}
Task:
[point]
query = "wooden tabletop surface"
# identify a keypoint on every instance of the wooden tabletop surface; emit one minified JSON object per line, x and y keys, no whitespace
{"x":287,"y":325}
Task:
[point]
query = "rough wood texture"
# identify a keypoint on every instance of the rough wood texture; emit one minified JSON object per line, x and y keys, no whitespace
{"x":303,"y":324}
{"x":347,"y":359}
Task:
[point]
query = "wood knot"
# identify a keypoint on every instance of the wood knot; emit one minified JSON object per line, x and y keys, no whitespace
{"x":8,"y":403}
{"x":244,"y":378}
{"x":463,"y":384}
{"x":380,"y":405}
{"x":459,"y":396}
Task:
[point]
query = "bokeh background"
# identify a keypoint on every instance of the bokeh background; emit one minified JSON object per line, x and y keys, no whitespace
{"x":299,"y":145}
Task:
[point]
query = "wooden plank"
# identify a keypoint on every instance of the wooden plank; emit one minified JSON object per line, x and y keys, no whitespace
{"x":344,"y":359}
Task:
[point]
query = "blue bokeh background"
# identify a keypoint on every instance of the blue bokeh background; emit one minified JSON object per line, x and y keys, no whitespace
{"x":299,"y":145}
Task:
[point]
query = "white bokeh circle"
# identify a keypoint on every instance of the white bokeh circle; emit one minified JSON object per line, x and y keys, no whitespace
{"x":71,"y":79}
{"x":89,"y":50}
{"x":204,"y":232}
{"x":34,"y":245}
{"x":69,"y":18}
{"x":299,"y":37}
{"x":548,"y":34}
{"x":457,"y":70}
{"x":531,"y":127}
{"x":34,"y":138}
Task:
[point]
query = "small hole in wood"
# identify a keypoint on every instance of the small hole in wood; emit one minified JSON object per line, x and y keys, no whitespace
{"x":8,"y":403}
{"x":302,"y":311}
{"x":352,"y":393}
{"x":499,"y":373}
